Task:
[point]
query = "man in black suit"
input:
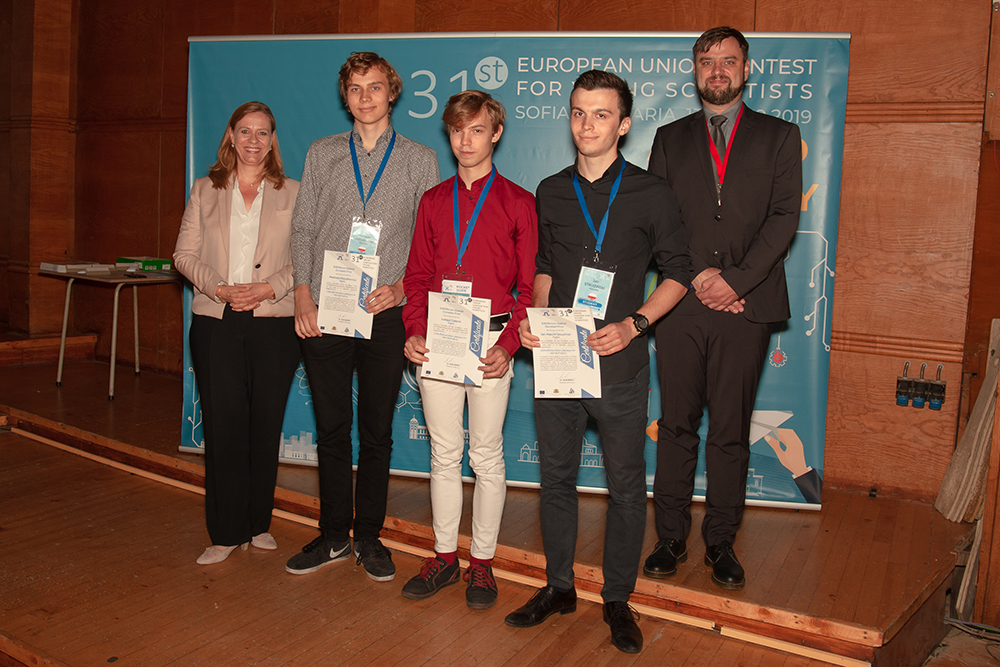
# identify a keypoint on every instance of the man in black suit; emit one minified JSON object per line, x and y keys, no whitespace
{"x":738,"y":176}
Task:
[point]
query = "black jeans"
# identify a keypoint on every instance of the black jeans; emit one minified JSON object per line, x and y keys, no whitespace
{"x":330,"y":362}
{"x":621,"y":422}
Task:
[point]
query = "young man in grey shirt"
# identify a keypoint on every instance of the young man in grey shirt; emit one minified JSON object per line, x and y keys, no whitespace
{"x":374,"y":177}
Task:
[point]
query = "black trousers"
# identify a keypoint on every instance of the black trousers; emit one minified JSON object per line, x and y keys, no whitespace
{"x":560,"y":423}
{"x":244,"y":367}
{"x":714,"y":359}
{"x":330,"y":362}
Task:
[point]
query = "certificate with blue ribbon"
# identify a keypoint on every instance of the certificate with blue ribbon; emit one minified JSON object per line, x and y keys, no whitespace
{"x":348,"y":279}
{"x":457,"y":331}
{"x":565,"y":366}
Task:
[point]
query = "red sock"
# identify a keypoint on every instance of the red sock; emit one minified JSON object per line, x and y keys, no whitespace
{"x":449,"y":558}
{"x":479,"y":561}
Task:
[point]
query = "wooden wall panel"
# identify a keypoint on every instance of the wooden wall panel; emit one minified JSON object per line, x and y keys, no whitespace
{"x":19,"y":230}
{"x":901,"y":52}
{"x":455,"y":16}
{"x":381,"y":16}
{"x":906,"y":223}
{"x":161,"y":339}
{"x":873,"y":443}
{"x":991,"y":122}
{"x":18,"y":202}
{"x":40,"y":184}
{"x":120,"y":60}
{"x":21,"y":69}
{"x":161,"y":311}
{"x":6,"y":60}
{"x":306,"y":17}
{"x":984,"y":289}
{"x":172,"y":190}
{"x":683,"y":15}
{"x":219,"y":17}
{"x":165,"y":350}
{"x":4,"y":216}
{"x":53,"y":27}
{"x":117,"y":214}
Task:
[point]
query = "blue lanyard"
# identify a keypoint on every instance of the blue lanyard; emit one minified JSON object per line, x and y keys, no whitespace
{"x":599,"y":235}
{"x":378,"y":174}
{"x":464,"y":244}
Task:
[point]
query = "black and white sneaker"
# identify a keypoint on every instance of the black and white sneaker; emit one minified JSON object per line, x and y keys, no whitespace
{"x":316,"y":554}
{"x":375,"y":558}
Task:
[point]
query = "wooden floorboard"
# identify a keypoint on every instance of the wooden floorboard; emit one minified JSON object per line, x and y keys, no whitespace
{"x":844,"y":602}
{"x":876,"y":566}
{"x":110,"y":577}
{"x":853,"y":572}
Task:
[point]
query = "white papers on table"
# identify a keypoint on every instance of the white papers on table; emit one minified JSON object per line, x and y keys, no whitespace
{"x":457,"y":331}
{"x":565,"y":366}
{"x":348,"y":279}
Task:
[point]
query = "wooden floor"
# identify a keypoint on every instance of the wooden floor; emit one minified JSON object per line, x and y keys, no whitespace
{"x":845,"y":578}
{"x":98,"y":566}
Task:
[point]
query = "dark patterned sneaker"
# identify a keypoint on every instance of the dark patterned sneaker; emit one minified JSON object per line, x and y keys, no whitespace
{"x":375,"y":558}
{"x":316,"y":554}
{"x":434,"y":575}
{"x":482,"y":590}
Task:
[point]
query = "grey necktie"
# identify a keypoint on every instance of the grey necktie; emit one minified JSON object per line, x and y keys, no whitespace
{"x":718,"y":138}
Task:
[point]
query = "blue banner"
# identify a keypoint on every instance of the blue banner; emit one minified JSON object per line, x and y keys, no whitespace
{"x":799,"y":77}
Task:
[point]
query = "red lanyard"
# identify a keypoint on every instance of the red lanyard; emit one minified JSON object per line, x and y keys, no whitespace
{"x":720,"y":165}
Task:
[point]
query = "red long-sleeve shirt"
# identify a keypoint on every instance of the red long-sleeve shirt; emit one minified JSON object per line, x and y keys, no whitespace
{"x":500,"y":256}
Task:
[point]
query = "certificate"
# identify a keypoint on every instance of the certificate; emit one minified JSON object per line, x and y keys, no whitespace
{"x":348,"y":279}
{"x":565,"y":366}
{"x":457,"y":328}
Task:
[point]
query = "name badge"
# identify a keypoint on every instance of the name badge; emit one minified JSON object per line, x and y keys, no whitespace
{"x":593,"y":289}
{"x":364,"y":236}
{"x":457,"y":285}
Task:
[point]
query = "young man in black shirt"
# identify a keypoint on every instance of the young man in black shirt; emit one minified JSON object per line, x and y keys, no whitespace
{"x":607,"y":214}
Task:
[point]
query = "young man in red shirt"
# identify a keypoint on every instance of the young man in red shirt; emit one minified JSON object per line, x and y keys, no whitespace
{"x":477,"y":234}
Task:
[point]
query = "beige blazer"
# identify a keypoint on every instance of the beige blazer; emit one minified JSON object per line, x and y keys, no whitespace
{"x":202,"y":251}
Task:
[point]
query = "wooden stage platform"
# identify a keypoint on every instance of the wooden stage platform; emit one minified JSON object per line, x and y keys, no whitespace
{"x":861,"y":582}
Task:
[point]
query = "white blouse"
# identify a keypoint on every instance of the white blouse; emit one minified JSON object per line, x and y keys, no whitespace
{"x":244,"y":227}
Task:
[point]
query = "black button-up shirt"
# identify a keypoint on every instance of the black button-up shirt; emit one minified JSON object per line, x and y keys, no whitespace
{"x":644,"y":225}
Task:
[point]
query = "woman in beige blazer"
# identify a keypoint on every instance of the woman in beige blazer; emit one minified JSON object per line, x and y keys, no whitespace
{"x":233,"y":247}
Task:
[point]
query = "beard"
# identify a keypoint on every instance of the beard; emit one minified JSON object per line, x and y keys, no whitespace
{"x":721,"y":96}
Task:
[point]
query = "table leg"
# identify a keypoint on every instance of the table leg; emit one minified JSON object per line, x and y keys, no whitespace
{"x":135,"y":324}
{"x":62,"y":341}
{"x":114,"y":343}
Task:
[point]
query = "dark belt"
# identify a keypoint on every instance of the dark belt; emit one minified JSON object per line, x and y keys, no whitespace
{"x":497,"y":322}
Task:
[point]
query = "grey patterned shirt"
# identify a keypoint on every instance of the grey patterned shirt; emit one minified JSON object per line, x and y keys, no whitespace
{"x":328,"y":200}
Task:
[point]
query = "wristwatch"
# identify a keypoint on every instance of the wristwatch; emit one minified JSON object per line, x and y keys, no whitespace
{"x":640,"y":323}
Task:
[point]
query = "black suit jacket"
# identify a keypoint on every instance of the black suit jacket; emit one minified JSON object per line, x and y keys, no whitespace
{"x":748,"y":235}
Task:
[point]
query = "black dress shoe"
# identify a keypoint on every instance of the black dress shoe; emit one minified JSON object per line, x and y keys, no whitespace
{"x":625,"y":633}
{"x":542,"y":604}
{"x":662,"y":563}
{"x":727,"y":572}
